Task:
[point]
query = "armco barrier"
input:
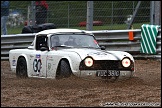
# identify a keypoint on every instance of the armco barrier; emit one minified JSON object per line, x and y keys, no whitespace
{"x":117,"y":40}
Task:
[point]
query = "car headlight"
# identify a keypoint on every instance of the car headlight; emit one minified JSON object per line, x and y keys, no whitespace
{"x":88,"y":62}
{"x":126,"y":62}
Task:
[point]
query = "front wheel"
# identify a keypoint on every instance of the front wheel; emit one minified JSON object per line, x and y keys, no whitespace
{"x":21,"y":69}
{"x":64,"y":69}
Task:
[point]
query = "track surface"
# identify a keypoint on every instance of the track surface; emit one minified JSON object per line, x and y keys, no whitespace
{"x":143,"y":89}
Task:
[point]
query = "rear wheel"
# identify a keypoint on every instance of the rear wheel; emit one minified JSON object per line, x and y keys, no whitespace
{"x":21,"y":69}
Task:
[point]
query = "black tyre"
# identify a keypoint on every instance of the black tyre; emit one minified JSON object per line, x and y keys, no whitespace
{"x":65,"y":70}
{"x":21,"y":69}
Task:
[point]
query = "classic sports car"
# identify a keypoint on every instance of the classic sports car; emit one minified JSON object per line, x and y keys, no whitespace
{"x":60,"y":53}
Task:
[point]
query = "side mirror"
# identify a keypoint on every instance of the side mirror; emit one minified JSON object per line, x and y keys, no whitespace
{"x":103,"y":47}
{"x":44,"y":48}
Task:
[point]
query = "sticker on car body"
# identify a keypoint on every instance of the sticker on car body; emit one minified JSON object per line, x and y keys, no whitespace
{"x":49,"y":66}
{"x":37,"y":65}
{"x":38,"y":55}
{"x":13,"y":62}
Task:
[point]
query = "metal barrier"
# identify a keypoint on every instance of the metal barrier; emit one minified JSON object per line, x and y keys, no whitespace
{"x":116,"y":40}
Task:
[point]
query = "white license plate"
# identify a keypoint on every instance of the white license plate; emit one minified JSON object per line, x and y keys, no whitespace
{"x":108,"y":73}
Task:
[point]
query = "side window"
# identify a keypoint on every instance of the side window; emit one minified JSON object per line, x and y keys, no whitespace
{"x":41,"y":41}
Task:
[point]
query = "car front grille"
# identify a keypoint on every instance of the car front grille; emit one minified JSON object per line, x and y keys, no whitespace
{"x":102,"y":65}
{"x":105,"y":65}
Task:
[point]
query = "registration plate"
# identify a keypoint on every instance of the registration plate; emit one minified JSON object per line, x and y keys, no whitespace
{"x":108,"y":73}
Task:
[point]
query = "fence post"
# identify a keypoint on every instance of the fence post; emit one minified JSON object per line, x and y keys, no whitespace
{"x":152,"y":12}
{"x":89,"y":25}
{"x":68,"y":15}
{"x":33,"y":12}
{"x":112,"y":13}
{"x":157,"y":13}
{"x":134,"y":14}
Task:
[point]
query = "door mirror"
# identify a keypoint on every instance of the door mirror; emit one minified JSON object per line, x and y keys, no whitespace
{"x":103,"y":47}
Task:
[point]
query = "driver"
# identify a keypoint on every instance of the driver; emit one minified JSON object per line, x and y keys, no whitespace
{"x":55,"y":41}
{"x":71,"y":41}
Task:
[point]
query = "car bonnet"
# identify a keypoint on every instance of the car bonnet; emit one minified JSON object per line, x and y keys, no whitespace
{"x":98,"y":54}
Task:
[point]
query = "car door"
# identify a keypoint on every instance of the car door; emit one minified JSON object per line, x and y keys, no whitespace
{"x":52,"y":57}
{"x":38,"y":60}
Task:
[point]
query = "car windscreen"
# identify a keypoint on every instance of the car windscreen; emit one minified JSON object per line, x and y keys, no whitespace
{"x":73,"y":40}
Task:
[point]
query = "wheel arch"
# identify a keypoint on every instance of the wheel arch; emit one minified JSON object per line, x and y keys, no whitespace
{"x":68,"y":60}
{"x":74,"y":61}
{"x":59,"y":64}
{"x":25,"y":57}
{"x":65,"y":59}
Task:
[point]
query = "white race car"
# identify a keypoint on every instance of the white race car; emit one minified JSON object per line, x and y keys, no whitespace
{"x":60,"y":53}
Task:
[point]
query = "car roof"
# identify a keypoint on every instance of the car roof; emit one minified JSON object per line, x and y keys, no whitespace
{"x":62,"y":30}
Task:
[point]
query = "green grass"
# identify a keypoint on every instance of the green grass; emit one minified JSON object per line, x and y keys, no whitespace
{"x":17,"y":30}
{"x":14,"y":30}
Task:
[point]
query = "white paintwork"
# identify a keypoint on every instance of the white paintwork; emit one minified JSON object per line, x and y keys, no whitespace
{"x":50,"y":59}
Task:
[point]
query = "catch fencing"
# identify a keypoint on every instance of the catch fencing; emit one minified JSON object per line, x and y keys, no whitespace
{"x":116,"y":40}
{"x":110,"y":15}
